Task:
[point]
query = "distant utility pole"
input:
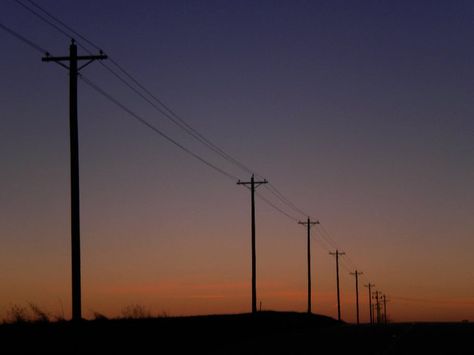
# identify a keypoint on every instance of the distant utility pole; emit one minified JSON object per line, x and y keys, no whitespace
{"x":74,"y":69}
{"x":377,"y":305}
{"x":308,"y":224}
{"x":253,"y":185}
{"x":384,"y":298}
{"x":356,"y":274}
{"x":337,"y":253}
{"x":369,"y":286}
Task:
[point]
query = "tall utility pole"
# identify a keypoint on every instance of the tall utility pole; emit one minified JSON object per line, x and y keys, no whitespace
{"x":253,"y":185}
{"x":308,"y":224}
{"x":337,"y":253}
{"x":384,"y":298}
{"x":377,"y":305}
{"x":356,"y":274}
{"x":369,"y":286}
{"x":74,"y":69}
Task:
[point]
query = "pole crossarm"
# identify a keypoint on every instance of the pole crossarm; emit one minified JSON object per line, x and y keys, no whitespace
{"x":310,"y":223}
{"x":49,"y":58}
{"x":337,"y":253}
{"x":90,"y":58}
{"x":255,"y":183}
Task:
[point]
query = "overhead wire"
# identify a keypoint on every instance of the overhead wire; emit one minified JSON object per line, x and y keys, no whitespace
{"x":170,"y":114}
{"x":268,"y":202}
{"x":55,"y":18}
{"x":325,"y":234}
{"x":154,"y":128}
{"x":321,"y":243}
{"x":165,"y":110}
{"x":23,"y":39}
{"x":270,"y":187}
{"x":41,"y":17}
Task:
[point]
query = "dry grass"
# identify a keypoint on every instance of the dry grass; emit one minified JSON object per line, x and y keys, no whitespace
{"x":136,"y":311}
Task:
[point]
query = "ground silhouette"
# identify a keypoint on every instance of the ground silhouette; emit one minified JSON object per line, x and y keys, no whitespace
{"x":261,"y":333}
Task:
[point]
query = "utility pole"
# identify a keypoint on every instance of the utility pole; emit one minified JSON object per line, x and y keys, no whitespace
{"x":337,"y":253}
{"x":308,"y":224}
{"x":253,"y":185}
{"x":369,"y":286}
{"x":356,"y":274}
{"x":384,"y":298}
{"x":374,"y":312}
{"x":74,"y":69}
{"x":377,"y":305}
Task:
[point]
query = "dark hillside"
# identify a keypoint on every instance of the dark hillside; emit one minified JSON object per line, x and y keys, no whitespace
{"x":263,"y":333}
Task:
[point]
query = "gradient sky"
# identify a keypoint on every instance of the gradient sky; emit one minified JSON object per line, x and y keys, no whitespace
{"x":360,"y":112}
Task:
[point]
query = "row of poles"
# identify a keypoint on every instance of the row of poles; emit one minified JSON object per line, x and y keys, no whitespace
{"x":73,"y":60}
{"x":377,"y":296}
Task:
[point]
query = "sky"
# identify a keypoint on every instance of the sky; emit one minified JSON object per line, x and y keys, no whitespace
{"x":358,"y":112}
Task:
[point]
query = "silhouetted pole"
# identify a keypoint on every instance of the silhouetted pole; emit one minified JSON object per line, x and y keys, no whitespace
{"x":253,"y":185}
{"x":384,"y":298}
{"x":308,"y":224}
{"x":337,"y":253}
{"x":356,"y":274}
{"x":73,"y":68}
{"x":369,"y":286}
{"x":377,"y":305}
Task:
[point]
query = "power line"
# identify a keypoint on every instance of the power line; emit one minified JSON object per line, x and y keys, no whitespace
{"x":155,"y":129}
{"x":174,"y":118}
{"x":23,"y":39}
{"x":180,"y":122}
{"x":165,"y":110}
{"x":328,"y":237}
{"x":293,"y":218}
{"x":432,"y":301}
{"x":170,"y":114}
{"x":286,"y":201}
{"x":57,"y":20}
{"x":321,"y":243}
{"x":41,"y":17}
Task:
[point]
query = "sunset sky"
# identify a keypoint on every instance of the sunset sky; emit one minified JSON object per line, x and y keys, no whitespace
{"x":361,"y":113}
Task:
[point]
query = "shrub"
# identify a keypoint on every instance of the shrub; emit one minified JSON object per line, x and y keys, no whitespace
{"x":38,"y":314}
{"x":99,"y":316}
{"x":136,"y":311}
{"x":17,"y":314}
